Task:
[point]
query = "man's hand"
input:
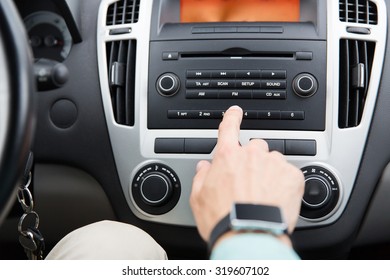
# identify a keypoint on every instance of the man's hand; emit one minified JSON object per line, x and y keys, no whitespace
{"x":243,"y":174}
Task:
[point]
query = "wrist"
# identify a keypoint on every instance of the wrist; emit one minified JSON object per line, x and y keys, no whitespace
{"x":250,"y":218}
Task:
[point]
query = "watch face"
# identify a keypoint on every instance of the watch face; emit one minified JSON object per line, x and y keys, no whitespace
{"x":257,"y":217}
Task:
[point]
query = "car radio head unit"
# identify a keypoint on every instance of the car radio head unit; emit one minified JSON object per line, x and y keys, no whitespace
{"x":200,"y":66}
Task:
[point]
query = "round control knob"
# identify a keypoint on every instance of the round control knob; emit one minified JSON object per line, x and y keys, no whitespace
{"x":322,"y":193}
{"x":156,"y":189}
{"x":317,"y":192}
{"x":305,"y":85}
{"x":168,"y":84}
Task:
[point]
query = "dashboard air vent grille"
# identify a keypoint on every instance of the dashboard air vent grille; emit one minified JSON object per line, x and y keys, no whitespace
{"x":356,"y":59}
{"x":121,"y":74}
{"x":358,"y":11}
{"x":122,"y":12}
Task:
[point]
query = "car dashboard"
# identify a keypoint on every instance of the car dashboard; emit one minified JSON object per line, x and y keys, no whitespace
{"x":148,"y":83}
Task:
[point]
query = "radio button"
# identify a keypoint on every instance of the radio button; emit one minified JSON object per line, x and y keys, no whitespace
{"x":181,"y":114}
{"x":293,"y":115}
{"x":249,"y":114}
{"x":273,"y":84}
{"x":273,"y":74}
{"x":204,"y":114}
{"x":276,"y":145}
{"x":248,"y":84}
{"x":198,"y":74}
{"x":218,"y":114}
{"x":301,"y":147}
{"x":268,"y":94}
{"x":202,"y":30}
{"x":248,"y":74}
{"x":304,"y":55}
{"x":199,"y":145}
{"x":223,"y":84}
{"x":169,"y":145}
{"x":235,"y":94}
{"x":201,"y":94}
{"x":269,"y":115}
{"x":248,"y":29}
{"x":271,"y":29}
{"x":223,"y":74}
{"x":170,"y":55}
{"x":198,"y":84}
{"x":225,"y":29}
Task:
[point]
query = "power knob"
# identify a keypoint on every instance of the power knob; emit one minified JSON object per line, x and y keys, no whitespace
{"x":305,"y":85}
{"x":156,"y":189}
{"x":168,"y":84}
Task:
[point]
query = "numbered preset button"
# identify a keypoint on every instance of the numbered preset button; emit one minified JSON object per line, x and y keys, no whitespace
{"x":268,"y":115}
{"x":293,"y":115}
{"x":250,"y":114}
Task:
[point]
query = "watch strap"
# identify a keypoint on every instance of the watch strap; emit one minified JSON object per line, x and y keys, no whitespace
{"x":220,"y":228}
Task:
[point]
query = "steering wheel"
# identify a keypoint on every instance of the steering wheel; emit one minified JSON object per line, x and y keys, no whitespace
{"x":16,"y":113}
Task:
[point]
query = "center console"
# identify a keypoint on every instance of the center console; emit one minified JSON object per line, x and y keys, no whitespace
{"x":306,"y":74}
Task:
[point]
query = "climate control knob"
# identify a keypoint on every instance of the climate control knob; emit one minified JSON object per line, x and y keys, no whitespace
{"x":156,"y":188}
{"x":168,"y":84}
{"x":317,"y":192}
{"x":305,"y":85}
{"x":322,"y":193}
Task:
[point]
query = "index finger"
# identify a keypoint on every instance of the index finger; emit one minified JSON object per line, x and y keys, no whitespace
{"x":229,"y":129}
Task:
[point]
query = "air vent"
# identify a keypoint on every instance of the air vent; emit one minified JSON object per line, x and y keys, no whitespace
{"x":358,"y":11}
{"x":122,"y":12}
{"x":121,"y":74}
{"x":355,"y":68}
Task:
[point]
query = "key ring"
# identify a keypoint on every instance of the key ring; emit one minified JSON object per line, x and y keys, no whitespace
{"x":22,"y":228}
{"x":25,"y":197}
{"x":26,"y":200}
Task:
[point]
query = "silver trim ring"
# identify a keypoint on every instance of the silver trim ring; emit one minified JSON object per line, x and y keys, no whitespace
{"x":160,"y":85}
{"x":327,"y":193}
{"x":312,"y":83}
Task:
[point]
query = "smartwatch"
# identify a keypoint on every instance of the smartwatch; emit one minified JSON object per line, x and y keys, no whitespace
{"x":250,"y":217}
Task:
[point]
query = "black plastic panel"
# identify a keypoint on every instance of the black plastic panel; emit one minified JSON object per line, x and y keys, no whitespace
{"x":223,"y":64}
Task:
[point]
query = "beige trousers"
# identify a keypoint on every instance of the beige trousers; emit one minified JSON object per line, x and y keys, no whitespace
{"x":107,"y":240}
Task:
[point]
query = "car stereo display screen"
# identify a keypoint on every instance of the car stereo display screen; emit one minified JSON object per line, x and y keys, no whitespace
{"x":239,"y":10}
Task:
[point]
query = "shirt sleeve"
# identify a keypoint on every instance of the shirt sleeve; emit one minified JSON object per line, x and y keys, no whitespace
{"x":251,"y":246}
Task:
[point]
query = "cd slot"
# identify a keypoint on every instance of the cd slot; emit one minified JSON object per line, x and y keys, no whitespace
{"x":257,"y":55}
